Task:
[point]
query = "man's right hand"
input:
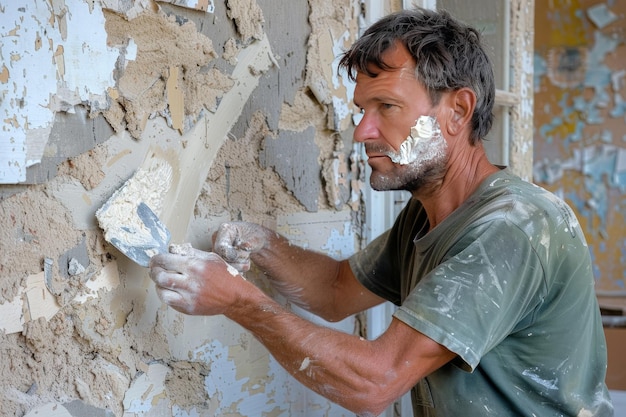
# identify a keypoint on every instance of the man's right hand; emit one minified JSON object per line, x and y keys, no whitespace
{"x":236,"y":241}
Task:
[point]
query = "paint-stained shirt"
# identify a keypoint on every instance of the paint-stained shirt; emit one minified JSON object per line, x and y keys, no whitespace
{"x":506,"y":283}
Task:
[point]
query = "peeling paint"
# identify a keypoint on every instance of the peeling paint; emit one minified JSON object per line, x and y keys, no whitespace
{"x":147,"y":390}
{"x":36,"y":300}
{"x":41,"y":81}
{"x":601,"y":15}
{"x":579,"y":126}
{"x":203,"y":5}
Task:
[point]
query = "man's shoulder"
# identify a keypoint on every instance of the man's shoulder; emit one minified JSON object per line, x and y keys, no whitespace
{"x":526,"y":195}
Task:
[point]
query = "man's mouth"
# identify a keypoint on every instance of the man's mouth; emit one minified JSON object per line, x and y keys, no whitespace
{"x":376,"y":151}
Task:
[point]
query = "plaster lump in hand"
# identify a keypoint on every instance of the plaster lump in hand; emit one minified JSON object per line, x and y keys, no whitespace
{"x":426,"y":127}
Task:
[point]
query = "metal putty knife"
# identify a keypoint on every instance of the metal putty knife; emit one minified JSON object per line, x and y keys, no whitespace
{"x":141,"y":244}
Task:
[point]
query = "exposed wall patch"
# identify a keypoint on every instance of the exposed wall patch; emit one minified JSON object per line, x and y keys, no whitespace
{"x":164,"y":48}
{"x":175,"y":99}
{"x":294,"y":155}
{"x":248,"y":18}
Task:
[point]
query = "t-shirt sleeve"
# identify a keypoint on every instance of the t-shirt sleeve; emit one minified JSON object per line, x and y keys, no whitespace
{"x":382,"y":266}
{"x":376,"y":261}
{"x":478,"y":295}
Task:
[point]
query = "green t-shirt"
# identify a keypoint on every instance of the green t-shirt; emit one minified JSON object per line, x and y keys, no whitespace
{"x":505,"y":282}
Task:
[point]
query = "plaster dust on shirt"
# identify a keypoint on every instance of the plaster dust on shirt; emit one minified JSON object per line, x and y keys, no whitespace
{"x":425,"y":131}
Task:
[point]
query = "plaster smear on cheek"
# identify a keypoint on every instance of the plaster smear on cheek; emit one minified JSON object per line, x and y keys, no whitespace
{"x":419,"y":144}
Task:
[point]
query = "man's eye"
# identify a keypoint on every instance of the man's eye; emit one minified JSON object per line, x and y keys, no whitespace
{"x":387,"y":105}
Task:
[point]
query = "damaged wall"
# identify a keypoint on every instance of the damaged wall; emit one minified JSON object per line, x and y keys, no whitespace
{"x":230,"y":94}
{"x":580,"y":123}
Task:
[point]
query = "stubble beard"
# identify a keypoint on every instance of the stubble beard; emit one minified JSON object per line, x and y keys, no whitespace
{"x":419,"y":175}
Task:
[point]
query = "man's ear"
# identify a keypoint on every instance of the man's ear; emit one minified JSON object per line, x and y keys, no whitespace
{"x":461,"y":104}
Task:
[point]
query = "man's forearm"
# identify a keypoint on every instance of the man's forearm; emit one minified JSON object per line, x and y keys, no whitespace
{"x":334,"y":364}
{"x":305,"y":277}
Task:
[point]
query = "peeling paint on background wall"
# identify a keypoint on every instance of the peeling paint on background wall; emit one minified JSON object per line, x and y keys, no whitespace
{"x":204,"y":5}
{"x":580,"y":123}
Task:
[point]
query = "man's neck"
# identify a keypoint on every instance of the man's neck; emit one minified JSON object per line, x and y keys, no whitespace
{"x":459,"y":182}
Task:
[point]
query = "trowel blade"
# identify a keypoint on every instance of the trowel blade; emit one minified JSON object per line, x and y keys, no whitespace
{"x":141,"y":244}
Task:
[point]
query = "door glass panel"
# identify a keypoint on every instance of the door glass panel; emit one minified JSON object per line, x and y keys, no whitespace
{"x":491,"y":19}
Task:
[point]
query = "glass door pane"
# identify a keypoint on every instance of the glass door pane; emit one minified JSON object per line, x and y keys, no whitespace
{"x":491,"y":18}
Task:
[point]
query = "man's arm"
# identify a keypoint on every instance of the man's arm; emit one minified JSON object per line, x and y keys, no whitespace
{"x":311,"y":280}
{"x":361,"y":375}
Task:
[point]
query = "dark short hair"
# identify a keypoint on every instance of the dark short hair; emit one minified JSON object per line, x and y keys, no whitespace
{"x":448,"y":53}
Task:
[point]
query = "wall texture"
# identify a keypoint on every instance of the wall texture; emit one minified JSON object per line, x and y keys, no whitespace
{"x":240,"y":97}
{"x":580,"y":123}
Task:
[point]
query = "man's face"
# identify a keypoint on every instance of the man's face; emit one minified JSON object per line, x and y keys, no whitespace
{"x":390,"y":104}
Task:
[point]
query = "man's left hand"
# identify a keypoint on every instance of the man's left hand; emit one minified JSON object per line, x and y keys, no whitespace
{"x":196,"y":282}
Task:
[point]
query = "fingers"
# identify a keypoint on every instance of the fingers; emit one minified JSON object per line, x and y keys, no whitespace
{"x":167,"y":271}
{"x":239,"y":259}
{"x":236,"y":241}
{"x":191,"y":284}
{"x":173,"y":299}
{"x":169,"y":283}
{"x":181,"y":266}
{"x":225,"y":244}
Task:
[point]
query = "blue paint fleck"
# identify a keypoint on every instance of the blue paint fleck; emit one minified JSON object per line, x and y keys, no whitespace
{"x":540,"y":69}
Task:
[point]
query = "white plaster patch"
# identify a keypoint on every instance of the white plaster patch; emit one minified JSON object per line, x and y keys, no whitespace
{"x":130,"y":9}
{"x":340,"y":245}
{"x":526,"y":106}
{"x":340,"y":80}
{"x":131,"y":51}
{"x":305,"y":364}
{"x":12,"y":320}
{"x":204,"y":5}
{"x":341,"y":111}
{"x":232,"y":270}
{"x":146,"y":389}
{"x":426,"y":130}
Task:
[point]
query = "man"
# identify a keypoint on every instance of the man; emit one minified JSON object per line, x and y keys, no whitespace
{"x":497,"y":313}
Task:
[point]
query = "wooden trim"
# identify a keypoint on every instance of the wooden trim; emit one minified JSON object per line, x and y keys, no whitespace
{"x":506,"y":98}
{"x":522,"y":46}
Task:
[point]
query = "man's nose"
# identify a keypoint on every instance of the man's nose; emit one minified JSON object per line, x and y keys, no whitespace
{"x":365,"y":128}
